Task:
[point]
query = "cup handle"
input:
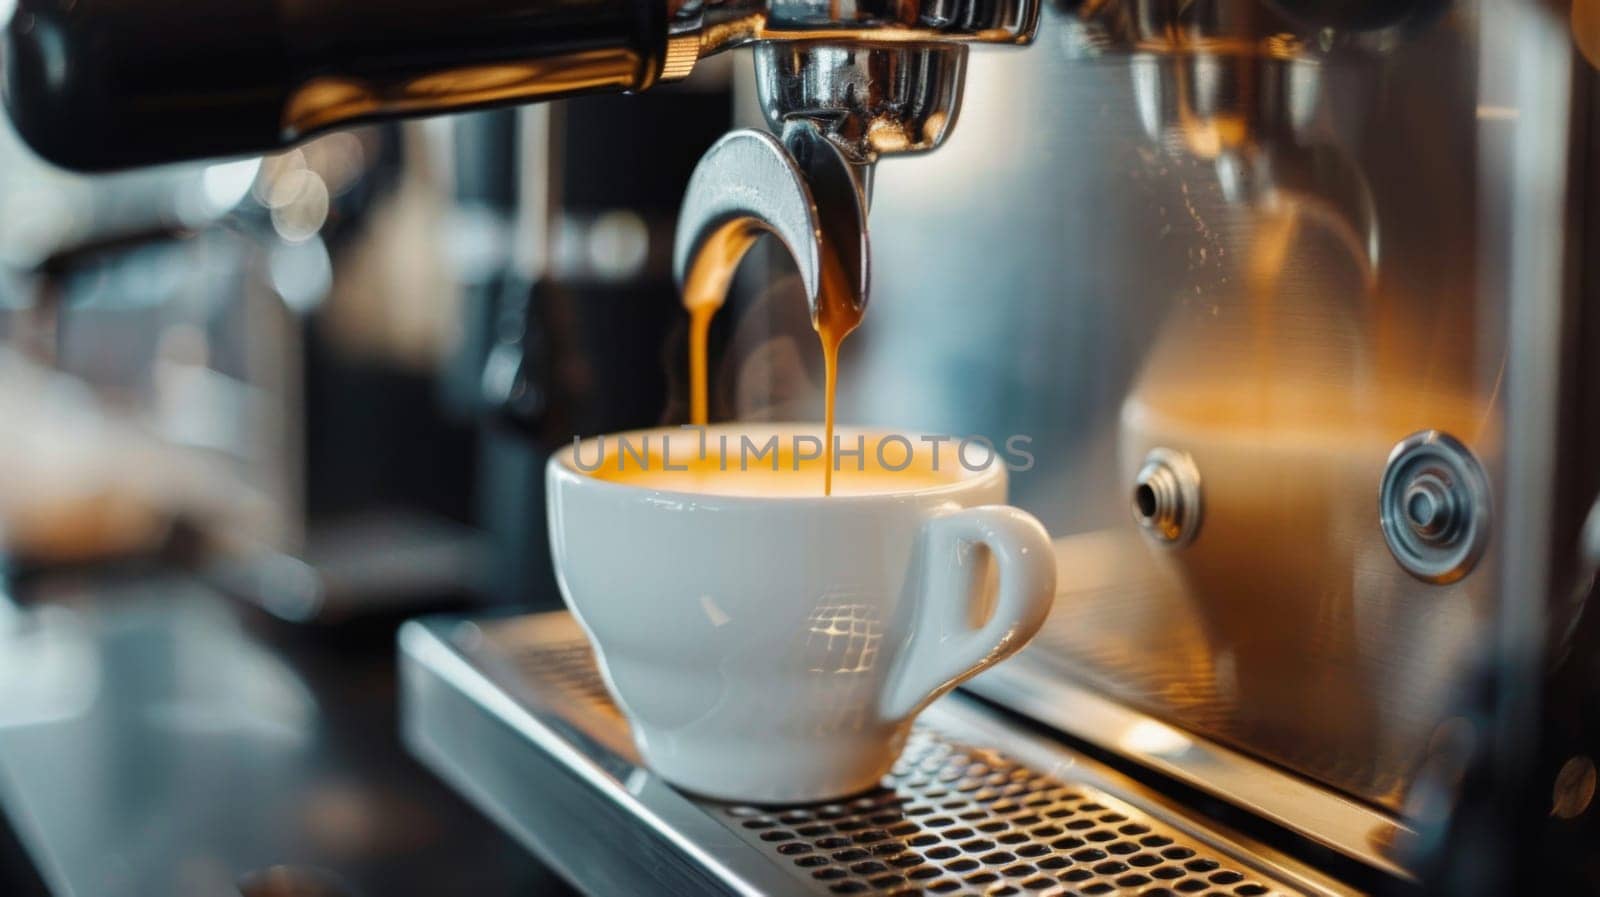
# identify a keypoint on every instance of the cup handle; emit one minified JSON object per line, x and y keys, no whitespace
{"x":944,"y":649}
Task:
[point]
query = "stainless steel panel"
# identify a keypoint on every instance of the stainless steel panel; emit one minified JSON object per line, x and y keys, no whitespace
{"x":974,"y":806}
{"x":1033,"y":685}
{"x":1277,"y":255}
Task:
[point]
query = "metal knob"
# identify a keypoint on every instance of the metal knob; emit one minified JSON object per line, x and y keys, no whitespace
{"x":1166,"y":497}
{"x":1431,"y":509}
{"x":1434,"y":505}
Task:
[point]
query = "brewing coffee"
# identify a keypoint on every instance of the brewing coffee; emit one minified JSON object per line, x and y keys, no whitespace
{"x":786,"y":468}
{"x":767,"y":644}
{"x":837,"y":313}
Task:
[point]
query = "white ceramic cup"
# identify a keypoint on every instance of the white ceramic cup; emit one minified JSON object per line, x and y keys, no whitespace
{"x":777,"y":649}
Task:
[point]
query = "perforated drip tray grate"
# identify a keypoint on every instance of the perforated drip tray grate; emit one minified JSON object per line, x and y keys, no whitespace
{"x":959,"y":820}
{"x":974,"y":806}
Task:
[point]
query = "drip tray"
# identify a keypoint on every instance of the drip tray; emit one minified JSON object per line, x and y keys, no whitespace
{"x":514,"y":714}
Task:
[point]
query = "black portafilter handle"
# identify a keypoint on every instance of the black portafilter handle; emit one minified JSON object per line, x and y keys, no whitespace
{"x":96,"y":85}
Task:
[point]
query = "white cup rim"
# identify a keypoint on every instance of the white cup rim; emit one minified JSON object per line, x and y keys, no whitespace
{"x":563,"y":464}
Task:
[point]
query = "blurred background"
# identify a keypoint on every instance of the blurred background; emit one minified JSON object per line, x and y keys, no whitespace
{"x":258,"y":412}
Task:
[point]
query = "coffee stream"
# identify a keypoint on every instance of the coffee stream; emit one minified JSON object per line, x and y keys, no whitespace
{"x":837,"y":312}
{"x":700,"y":316}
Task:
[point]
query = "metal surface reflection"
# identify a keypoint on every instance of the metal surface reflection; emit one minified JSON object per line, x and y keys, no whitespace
{"x":194,"y":750}
{"x":974,"y":804}
{"x":181,"y":705}
{"x":1269,"y":282}
{"x":94,"y":85}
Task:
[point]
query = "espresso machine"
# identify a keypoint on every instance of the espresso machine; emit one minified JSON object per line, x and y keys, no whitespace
{"x":1292,"y":302}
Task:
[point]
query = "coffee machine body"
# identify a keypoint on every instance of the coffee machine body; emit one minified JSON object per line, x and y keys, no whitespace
{"x":1284,"y":305}
{"x":1283,"y":302}
{"x":1288,"y":313}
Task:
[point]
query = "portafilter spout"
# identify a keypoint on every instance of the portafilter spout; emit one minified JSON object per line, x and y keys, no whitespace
{"x":837,"y":107}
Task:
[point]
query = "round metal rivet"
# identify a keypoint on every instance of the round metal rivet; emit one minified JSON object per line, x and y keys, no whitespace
{"x":1166,"y":497}
{"x":1434,"y":505}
